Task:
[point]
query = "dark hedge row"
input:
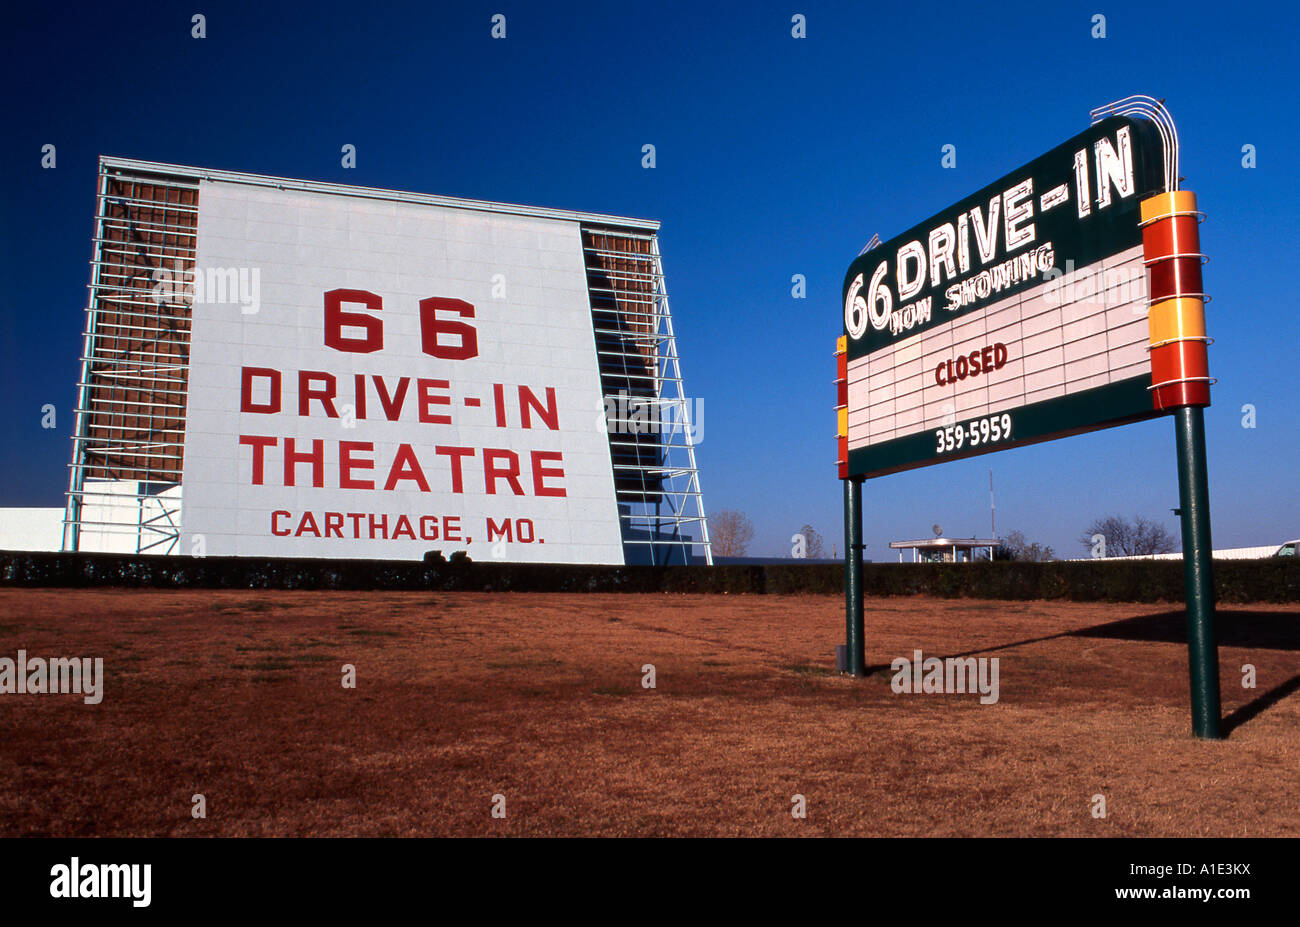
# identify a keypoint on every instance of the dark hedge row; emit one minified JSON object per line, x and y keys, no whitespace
{"x":82,"y":570}
{"x":1272,"y":580}
{"x":1269,"y":580}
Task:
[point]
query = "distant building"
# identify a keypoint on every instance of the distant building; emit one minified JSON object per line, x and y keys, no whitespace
{"x":944,"y":550}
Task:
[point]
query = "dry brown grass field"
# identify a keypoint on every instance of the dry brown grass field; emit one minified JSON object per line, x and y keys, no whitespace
{"x":538,"y":697}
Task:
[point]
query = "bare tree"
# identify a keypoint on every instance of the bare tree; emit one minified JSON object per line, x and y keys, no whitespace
{"x":1121,"y":538}
{"x":1108,"y":537}
{"x":1151,"y":537}
{"x":730,"y":533}
{"x":1014,"y":546}
{"x":814,"y":546}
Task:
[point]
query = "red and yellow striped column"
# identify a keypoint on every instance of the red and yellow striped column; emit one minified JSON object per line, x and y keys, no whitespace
{"x":1171,"y":246}
{"x":842,"y":404}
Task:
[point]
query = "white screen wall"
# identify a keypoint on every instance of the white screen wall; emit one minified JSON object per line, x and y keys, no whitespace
{"x":525,"y":412}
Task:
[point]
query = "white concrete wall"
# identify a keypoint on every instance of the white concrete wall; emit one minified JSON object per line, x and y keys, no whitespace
{"x":1227,"y":553}
{"x":31,"y":529}
{"x":115,"y":520}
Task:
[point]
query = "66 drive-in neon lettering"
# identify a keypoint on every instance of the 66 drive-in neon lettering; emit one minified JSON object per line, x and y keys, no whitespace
{"x":974,"y":433}
{"x":999,"y":277}
{"x":992,"y":246}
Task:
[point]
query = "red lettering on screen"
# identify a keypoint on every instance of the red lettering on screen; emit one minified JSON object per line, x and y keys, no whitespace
{"x":528,"y":403}
{"x":429,"y":399}
{"x":259,"y":444}
{"x":495,"y":531}
{"x":307,"y":392}
{"x":315,"y":457}
{"x":308,"y":524}
{"x":456,"y":454}
{"x":246,"y":401}
{"x":336,"y":318}
{"x":492,"y":473}
{"x":406,"y":467}
{"x":392,"y":404}
{"x":347,"y":463}
{"x":352,"y":465}
{"x":434,"y":332}
{"x":540,"y":472}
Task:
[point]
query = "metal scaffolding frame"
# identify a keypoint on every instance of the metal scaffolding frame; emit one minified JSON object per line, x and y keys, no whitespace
{"x":128,"y":441}
{"x":650,"y":420}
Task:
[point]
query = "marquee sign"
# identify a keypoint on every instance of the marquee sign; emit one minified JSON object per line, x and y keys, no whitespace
{"x":1019,"y":314}
{"x":1063,"y":298}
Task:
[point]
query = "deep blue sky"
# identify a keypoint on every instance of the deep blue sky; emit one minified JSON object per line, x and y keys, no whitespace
{"x":776,"y":156}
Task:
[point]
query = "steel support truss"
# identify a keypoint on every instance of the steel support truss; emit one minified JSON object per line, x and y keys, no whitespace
{"x":653,"y":426}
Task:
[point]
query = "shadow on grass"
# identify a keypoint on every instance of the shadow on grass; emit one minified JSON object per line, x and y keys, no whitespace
{"x":1254,"y":709}
{"x":1270,"y":630}
{"x":1236,"y":628}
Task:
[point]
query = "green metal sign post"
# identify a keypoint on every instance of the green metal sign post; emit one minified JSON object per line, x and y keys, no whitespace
{"x":1198,"y":571}
{"x":855,"y":662}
